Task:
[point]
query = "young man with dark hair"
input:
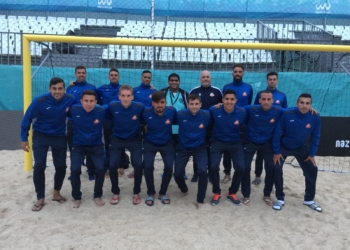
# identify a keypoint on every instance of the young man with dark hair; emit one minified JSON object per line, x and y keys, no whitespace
{"x":76,"y":89}
{"x":87,"y":140}
{"x":50,"y":111}
{"x":158,"y":119}
{"x":293,"y":129}
{"x":244,"y":96}
{"x":279,"y":99}
{"x":210,"y":96}
{"x":226,"y":139}
{"x":127,"y":117}
{"x":176,"y":97}
{"x":143,"y":93}
{"x":192,"y":130}
{"x":262,"y":120}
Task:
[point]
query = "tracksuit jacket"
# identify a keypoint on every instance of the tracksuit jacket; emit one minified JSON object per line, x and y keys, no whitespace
{"x":159,"y":127}
{"x":87,"y":125}
{"x":293,"y":128}
{"x":244,"y":92}
{"x":126,"y":121}
{"x":50,"y":115}
{"x":226,"y":126}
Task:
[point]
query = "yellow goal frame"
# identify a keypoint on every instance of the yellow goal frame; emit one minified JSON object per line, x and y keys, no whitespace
{"x":27,"y":38}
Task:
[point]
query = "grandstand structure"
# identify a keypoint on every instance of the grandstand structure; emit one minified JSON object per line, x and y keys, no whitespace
{"x":223,"y":30}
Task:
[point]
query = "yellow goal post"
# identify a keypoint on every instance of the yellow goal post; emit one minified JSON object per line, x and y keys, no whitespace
{"x":27,"y":38}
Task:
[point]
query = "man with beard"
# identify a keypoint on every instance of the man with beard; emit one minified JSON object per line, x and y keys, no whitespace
{"x":158,"y":119}
{"x":293,"y":129}
{"x":210,"y":96}
{"x":244,"y":93}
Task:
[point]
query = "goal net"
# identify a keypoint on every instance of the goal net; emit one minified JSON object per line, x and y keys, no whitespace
{"x":315,"y":69}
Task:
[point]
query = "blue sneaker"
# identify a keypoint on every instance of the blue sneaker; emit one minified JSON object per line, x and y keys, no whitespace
{"x":185,"y":177}
{"x":69,"y":178}
{"x":91,"y":177}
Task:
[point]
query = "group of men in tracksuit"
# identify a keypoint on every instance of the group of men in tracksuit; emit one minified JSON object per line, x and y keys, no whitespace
{"x":176,"y":124}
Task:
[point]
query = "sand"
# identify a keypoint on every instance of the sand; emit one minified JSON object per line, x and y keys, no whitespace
{"x":175,"y":226}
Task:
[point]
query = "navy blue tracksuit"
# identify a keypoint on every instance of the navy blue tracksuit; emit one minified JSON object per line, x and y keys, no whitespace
{"x":210,"y":96}
{"x":289,"y":139}
{"x":226,"y":138}
{"x":108,"y":93}
{"x":126,"y":134}
{"x":244,"y":95}
{"x":259,"y":131}
{"x":143,"y":93}
{"x":49,"y":131}
{"x":279,"y":99}
{"x":87,"y":140}
{"x":158,"y":139}
{"x":192,"y":131}
{"x":76,"y":90}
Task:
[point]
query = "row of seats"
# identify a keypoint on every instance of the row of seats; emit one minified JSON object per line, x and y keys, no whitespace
{"x":192,"y":55}
{"x":133,"y":28}
{"x":286,"y":31}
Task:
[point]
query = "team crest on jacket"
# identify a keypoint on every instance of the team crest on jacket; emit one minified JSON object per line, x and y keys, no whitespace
{"x":236,"y":122}
{"x":244,"y":94}
{"x":134,"y":117}
{"x":67,"y":109}
{"x":167,"y":121}
{"x":201,"y":125}
{"x":278,"y":101}
{"x":211,"y":94}
{"x":272,"y":120}
{"x":308,"y":125}
{"x":96,"y":121}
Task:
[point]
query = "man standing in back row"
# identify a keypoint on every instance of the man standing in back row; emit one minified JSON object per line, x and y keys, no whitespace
{"x":143,"y":93}
{"x":244,"y":94}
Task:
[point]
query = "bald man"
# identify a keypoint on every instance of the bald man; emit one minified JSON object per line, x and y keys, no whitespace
{"x":210,"y":96}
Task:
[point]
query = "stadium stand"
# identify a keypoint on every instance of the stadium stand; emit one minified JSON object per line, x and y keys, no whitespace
{"x":12,"y":26}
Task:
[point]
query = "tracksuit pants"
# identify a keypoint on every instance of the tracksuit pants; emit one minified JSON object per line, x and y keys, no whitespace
{"x":167,"y":152}
{"x":89,"y":163}
{"x":41,"y":144}
{"x":309,"y":171}
{"x":266,"y":151}
{"x":77,"y":156}
{"x":117,"y":146}
{"x":201,"y":158}
{"x":235,"y":149}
